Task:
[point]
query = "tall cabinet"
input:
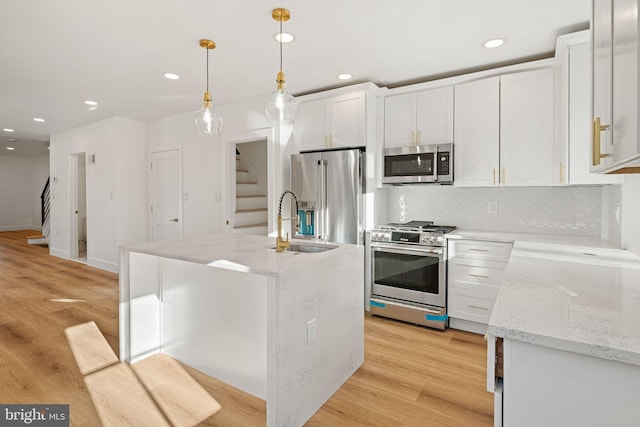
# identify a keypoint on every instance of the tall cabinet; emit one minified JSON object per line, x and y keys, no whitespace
{"x":615,"y":144}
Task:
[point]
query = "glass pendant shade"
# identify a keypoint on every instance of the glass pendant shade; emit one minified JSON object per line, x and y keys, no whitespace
{"x":281,"y":107}
{"x":208,"y":120}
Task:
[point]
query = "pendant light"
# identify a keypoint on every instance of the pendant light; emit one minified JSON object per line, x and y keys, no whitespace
{"x":281,"y":107}
{"x":208,"y":121}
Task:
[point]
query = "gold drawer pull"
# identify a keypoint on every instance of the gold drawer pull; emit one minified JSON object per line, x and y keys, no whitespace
{"x":479,"y":250}
{"x":479,"y":276}
{"x":478,"y":307}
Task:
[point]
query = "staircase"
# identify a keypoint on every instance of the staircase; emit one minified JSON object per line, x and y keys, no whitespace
{"x":43,"y":238}
{"x":251,"y":202}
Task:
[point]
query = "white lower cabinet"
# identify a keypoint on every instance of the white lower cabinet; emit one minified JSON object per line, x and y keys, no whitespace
{"x":475,"y":270}
{"x":534,"y":386}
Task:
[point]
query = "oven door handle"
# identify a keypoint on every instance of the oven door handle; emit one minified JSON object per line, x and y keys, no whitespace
{"x":413,"y":251}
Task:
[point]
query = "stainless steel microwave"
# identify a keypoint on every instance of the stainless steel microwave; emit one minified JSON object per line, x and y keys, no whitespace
{"x":420,"y":163}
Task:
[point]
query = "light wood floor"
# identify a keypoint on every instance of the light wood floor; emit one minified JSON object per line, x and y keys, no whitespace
{"x":412,"y":376}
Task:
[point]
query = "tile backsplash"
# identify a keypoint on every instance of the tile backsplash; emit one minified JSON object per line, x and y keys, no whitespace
{"x":588,"y":211}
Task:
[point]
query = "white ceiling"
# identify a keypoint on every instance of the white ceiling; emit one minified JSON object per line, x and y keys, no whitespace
{"x":55,"y":54}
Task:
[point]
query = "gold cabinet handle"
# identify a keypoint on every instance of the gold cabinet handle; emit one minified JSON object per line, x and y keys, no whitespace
{"x":561,"y":173}
{"x":503,"y":179}
{"x":494,"y":176}
{"x":413,"y":137}
{"x":479,"y":276}
{"x":418,"y":137}
{"x":331,"y":140}
{"x":596,"y":154}
{"x":479,"y":250}
{"x":477,"y":307}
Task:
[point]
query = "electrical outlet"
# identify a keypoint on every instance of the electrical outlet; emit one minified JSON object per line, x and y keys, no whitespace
{"x":493,"y":208}
{"x":312,"y":331}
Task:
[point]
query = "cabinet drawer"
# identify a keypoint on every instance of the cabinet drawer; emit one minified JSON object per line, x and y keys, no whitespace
{"x":476,"y":271}
{"x":497,"y":251}
{"x":471,"y":304}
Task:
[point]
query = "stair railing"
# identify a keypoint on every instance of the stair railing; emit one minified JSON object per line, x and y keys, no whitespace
{"x":44,"y":203}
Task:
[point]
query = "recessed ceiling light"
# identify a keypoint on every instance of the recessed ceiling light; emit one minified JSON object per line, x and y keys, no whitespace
{"x":93,"y":103}
{"x":284,"y":37}
{"x":38,"y":119}
{"x":171,"y":76}
{"x":493,"y":43}
{"x":345,"y":76}
{"x":7,"y":130}
{"x":10,"y":148}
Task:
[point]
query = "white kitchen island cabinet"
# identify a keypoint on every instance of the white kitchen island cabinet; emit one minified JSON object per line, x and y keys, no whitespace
{"x":566,"y":329}
{"x":286,"y":327}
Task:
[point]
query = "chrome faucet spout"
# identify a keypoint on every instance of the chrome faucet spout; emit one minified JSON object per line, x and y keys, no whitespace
{"x":282,"y":244}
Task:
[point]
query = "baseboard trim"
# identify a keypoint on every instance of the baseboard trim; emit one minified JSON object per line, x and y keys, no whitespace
{"x":60,"y":253}
{"x":20,"y":228}
{"x":103,"y":265}
{"x":467,"y":325}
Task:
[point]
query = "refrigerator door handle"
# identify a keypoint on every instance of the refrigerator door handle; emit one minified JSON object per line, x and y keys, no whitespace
{"x":322,"y":200}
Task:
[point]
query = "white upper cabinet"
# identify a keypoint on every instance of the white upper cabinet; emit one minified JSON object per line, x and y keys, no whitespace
{"x":615,"y":144}
{"x":419,"y":118}
{"x":477,"y":129}
{"x":504,"y":130}
{"x":333,"y":122}
{"x":527,"y":128}
{"x":573,"y":166}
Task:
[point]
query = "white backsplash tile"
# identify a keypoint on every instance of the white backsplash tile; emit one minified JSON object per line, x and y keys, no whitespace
{"x":586,"y":211}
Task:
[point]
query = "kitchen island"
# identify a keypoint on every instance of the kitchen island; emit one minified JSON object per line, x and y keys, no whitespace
{"x":286,"y":327}
{"x":566,"y":332}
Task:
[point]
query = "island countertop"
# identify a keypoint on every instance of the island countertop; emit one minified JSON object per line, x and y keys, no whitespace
{"x":571,"y":298}
{"x":240,"y":252}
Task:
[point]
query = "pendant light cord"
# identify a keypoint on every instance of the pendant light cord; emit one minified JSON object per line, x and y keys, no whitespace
{"x":207,"y":69}
{"x":280,"y":42}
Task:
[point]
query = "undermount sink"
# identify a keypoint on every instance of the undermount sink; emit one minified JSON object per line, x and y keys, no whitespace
{"x":308,"y":248}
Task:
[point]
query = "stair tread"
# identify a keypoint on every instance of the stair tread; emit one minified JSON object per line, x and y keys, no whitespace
{"x":36,"y":236}
{"x":264,"y":224}
{"x":251,"y":210}
{"x":241,"y":170}
{"x":241,"y":183}
{"x":244,"y":197}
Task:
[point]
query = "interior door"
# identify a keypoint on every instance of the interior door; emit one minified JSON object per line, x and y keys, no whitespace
{"x":166,"y":208}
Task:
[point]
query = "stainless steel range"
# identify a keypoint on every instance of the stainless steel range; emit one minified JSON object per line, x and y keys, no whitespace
{"x":409,"y":272}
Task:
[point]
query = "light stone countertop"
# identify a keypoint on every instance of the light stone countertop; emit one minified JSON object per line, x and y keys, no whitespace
{"x":496,"y":236}
{"x":239,"y":252}
{"x":572,"y":293}
{"x":564,"y":297}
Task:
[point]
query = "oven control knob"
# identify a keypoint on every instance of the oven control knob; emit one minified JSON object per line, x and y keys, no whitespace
{"x":440,"y":239}
{"x":386,"y":236}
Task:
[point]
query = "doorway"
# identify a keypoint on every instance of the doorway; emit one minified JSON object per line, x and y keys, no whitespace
{"x":166,"y":190}
{"x":250,"y":187}
{"x":79,"y":236}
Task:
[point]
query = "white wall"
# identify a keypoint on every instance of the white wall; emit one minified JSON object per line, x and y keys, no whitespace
{"x":21,"y":182}
{"x":631,"y":213}
{"x":116,"y":188}
{"x":206,"y":161}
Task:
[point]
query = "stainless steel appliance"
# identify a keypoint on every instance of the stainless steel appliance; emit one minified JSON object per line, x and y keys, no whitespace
{"x":330,"y":188}
{"x":409,"y":272}
{"x":420,"y":163}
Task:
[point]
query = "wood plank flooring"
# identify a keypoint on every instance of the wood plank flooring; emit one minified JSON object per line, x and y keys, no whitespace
{"x":412,"y":376}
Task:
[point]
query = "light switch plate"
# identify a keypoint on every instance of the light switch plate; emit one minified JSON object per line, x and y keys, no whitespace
{"x":493,"y":208}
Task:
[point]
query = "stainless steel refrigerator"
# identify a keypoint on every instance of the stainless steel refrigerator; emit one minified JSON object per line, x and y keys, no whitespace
{"x":330,"y":189}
